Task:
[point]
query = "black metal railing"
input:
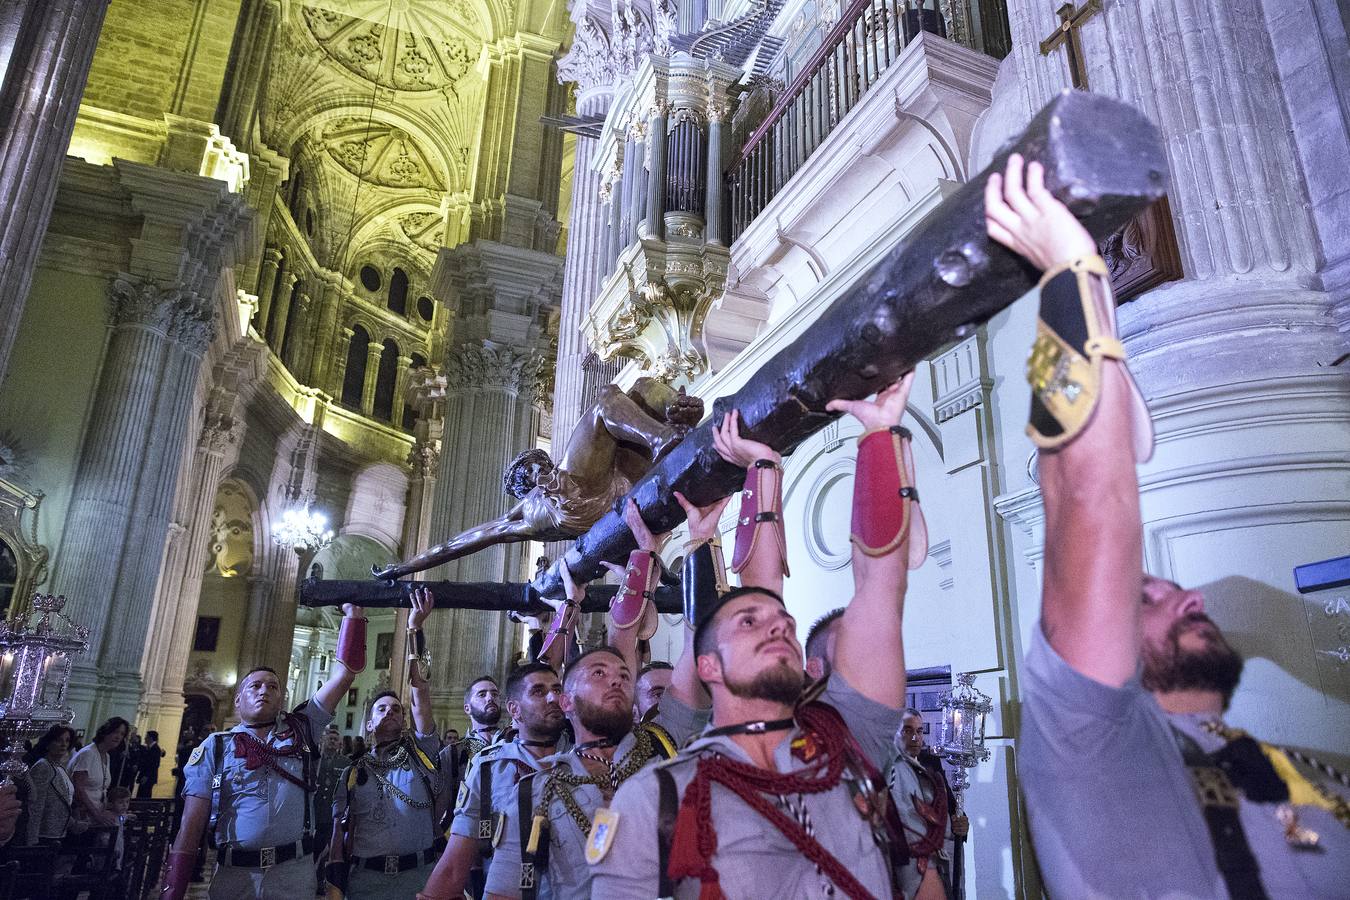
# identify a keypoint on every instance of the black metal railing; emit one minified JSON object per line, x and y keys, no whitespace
{"x":868,"y":37}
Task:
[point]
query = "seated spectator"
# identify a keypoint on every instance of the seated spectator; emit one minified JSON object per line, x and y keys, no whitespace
{"x":51,"y":794}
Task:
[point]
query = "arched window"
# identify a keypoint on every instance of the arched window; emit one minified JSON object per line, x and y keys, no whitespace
{"x":410,"y":414}
{"x":398,"y":292}
{"x":297,"y":187}
{"x":354,"y":378}
{"x":385,"y":382}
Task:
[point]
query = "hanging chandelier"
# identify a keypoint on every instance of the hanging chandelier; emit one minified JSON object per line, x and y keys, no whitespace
{"x":303,"y":530}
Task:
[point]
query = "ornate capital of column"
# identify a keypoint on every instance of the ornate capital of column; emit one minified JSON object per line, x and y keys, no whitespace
{"x":590,"y":62}
{"x":474,"y":366}
{"x":181,"y":315}
{"x":425,"y":459}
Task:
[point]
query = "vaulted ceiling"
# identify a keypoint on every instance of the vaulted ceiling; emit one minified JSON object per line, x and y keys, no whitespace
{"x":376,"y":103}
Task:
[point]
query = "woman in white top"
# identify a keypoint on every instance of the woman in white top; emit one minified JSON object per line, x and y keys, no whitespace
{"x":91,"y":774}
{"x":51,"y":794}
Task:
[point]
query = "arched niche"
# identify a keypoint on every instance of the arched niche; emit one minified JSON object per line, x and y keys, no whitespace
{"x":376,"y":506}
{"x":23,"y":562}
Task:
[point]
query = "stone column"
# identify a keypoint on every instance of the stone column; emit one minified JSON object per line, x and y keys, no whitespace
{"x":588,"y":239}
{"x":174,"y":618}
{"x":426,"y":395}
{"x":339,"y":369}
{"x":125,"y":481}
{"x":322,"y":339}
{"x":656,"y":174}
{"x":46,"y":48}
{"x":400,"y":390}
{"x":267,"y":283}
{"x":489,"y":418}
{"x":712,"y":214}
{"x":373,"y":353}
{"x":282,"y":309}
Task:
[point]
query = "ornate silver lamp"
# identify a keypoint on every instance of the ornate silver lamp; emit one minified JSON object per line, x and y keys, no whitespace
{"x":961,"y":743}
{"x":961,"y":738}
{"x":36,"y":649}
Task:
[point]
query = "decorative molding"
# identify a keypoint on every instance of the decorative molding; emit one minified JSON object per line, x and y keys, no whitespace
{"x":959,"y":379}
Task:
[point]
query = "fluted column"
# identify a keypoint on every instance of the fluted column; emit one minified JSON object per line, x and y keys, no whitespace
{"x":717,"y":111}
{"x":656,"y":174}
{"x":339,"y":369}
{"x":125,"y":481}
{"x":426,"y":395}
{"x":46,"y":47}
{"x":588,"y":238}
{"x":267,"y":283}
{"x":322,"y":339}
{"x":373,"y":353}
{"x":281,"y":312}
{"x":400,"y":390}
{"x":489,"y":418}
{"x":174,"y":617}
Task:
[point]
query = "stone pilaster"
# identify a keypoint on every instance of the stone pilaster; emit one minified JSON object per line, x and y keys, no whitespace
{"x":174,"y":617}
{"x":182,"y":232}
{"x":124,"y":487}
{"x":47,"y":47}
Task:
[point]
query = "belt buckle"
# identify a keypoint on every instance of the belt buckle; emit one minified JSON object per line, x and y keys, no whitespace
{"x":391,"y":865}
{"x":267,"y":857}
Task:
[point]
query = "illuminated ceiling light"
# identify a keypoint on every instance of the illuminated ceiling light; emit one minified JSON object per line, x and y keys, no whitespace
{"x":303,"y":530}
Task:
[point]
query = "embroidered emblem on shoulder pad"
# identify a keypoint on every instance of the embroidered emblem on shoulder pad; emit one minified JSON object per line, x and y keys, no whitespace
{"x":603,"y":828}
{"x":197,"y":755}
{"x":463,"y":796}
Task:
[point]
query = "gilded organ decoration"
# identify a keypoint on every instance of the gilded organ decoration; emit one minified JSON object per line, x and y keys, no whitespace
{"x":232,"y":532}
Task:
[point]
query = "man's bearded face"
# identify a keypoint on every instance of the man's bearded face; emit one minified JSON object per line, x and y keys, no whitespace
{"x":1182,"y":647}
{"x":600,"y":695}
{"x":757,"y":650}
{"x":538,"y":711}
{"x":483,"y":706}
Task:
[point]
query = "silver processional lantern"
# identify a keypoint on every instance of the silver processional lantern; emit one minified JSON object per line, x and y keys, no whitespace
{"x":961,"y":737}
{"x":35,"y":658}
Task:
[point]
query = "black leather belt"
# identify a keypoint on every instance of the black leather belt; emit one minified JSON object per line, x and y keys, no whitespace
{"x":267,"y":856}
{"x":393,"y":865}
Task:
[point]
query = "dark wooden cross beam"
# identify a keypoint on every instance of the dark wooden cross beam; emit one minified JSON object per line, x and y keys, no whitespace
{"x":1066,"y":35}
{"x":1102,"y":157}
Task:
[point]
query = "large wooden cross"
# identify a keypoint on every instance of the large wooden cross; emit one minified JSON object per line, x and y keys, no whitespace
{"x":1102,"y":157}
{"x":1143,"y":253}
{"x":1066,"y":35}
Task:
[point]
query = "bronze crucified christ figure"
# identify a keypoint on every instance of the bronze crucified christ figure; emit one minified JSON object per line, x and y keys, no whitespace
{"x":619,"y":438}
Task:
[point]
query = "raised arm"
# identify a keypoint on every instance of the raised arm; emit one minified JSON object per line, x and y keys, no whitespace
{"x":760,"y":557}
{"x":886,"y":523}
{"x":424,"y":718}
{"x":685,"y":685}
{"x":350,"y":655}
{"x":1093,"y":535}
